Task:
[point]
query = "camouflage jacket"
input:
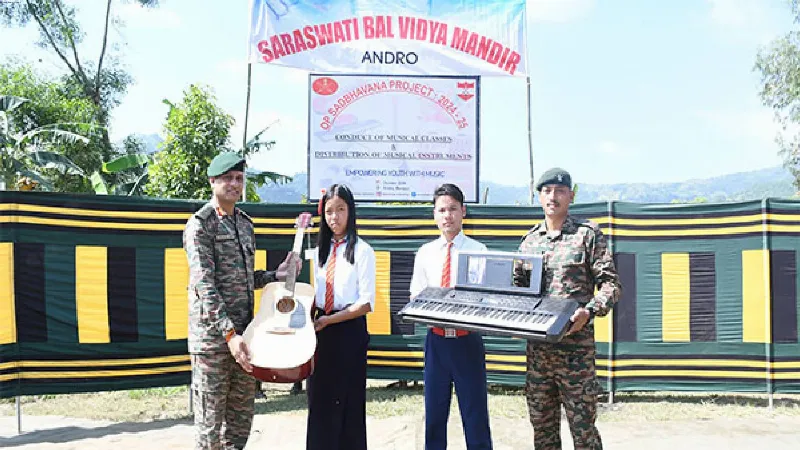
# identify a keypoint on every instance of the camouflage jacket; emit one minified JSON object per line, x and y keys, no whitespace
{"x":221,"y":252}
{"x":576,"y":260}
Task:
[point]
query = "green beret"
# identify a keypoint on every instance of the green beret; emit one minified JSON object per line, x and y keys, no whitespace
{"x":556,"y":175}
{"x":224,"y":162}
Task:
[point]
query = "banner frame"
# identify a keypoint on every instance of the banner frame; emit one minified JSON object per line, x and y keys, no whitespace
{"x":477,"y":78}
{"x":273,"y":18}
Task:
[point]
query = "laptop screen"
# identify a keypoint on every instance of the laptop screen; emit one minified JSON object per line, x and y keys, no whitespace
{"x":494,"y":271}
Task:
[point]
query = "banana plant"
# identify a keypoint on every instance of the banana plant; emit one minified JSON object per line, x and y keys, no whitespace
{"x":126,"y":163}
{"x":26,"y":154}
{"x":255,"y":144}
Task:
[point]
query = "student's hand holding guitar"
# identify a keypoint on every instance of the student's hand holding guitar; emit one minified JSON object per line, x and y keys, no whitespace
{"x":322,"y":322}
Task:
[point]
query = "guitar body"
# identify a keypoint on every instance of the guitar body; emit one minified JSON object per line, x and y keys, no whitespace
{"x":281,"y":337}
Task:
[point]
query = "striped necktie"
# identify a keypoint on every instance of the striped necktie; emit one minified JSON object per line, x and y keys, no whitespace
{"x":329,"y":278}
{"x":446,"y":267}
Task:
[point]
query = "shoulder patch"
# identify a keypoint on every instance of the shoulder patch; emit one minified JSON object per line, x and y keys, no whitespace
{"x":245,"y":215}
{"x":534,"y":229}
{"x":205,"y":211}
{"x":587,"y":223}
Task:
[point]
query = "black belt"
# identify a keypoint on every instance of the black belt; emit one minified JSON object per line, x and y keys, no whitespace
{"x":318,"y":312}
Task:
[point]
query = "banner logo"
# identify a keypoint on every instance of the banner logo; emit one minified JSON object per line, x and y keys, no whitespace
{"x":325,"y":86}
{"x":467,"y":90}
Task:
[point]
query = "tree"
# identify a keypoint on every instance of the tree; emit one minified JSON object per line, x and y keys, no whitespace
{"x":102,"y":81}
{"x":196,"y":131}
{"x":779,"y":66}
{"x":56,"y":102}
{"x":131,"y":169}
{"x":27,"y":157}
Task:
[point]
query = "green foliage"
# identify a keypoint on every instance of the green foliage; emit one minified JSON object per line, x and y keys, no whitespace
{"x":196,"y":130}
{"x":129,"y":161}
{"x":29,"y":154}
{"x":258,"y":141}
{"x":131,"y":170}
{"x":132,"y":176}
{"x":260,"y":178}
{"x":98,"y":184}
{"x":102,"y":81}
{"x":51,"y":121}
{"x":698,"y":199}
{"x":779,"y":67}
{"x":159,"y":392}
{"x":252,"y":195}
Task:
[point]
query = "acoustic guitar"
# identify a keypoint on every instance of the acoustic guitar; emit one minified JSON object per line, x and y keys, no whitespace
{"x":281,"y":337}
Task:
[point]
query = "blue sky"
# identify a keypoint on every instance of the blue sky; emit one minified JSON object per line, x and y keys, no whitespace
{"x":622,"y":90}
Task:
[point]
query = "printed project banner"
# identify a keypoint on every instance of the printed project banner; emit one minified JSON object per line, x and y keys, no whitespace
{"x":423,"y":37}
{"x":393,"y":138}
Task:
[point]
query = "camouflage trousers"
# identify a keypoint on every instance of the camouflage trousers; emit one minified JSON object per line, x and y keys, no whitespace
{"x":223,"y":399}
{"x":565,"y":376}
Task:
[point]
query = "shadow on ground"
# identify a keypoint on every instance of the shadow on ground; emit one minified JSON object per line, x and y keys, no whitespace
{"x":74,"y":433}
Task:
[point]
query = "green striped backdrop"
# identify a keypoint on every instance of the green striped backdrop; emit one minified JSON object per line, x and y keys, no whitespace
{"x":93,"y":291}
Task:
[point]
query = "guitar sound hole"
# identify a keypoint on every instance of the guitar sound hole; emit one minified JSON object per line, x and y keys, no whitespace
{"x":285,"y":305}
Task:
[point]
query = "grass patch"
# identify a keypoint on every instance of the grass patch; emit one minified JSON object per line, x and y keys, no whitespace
{"x":389,"y":400}
{"x":673,"y":406}
{"x":138,"y":405}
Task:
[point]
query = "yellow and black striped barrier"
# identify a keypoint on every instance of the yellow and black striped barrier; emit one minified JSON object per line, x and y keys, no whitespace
{"x":93,"y":291}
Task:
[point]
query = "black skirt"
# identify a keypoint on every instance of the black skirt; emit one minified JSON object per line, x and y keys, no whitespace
{"x":337,"y":388}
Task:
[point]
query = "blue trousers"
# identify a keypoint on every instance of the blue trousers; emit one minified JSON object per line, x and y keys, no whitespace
{"x":460,"y":362}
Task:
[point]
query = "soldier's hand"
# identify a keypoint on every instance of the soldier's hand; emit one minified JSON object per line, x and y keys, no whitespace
{"x":283,"y":268}
{"x":579,"y":319}
{"x":239,"y":351}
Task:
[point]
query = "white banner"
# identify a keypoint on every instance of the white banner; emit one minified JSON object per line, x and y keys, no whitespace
{"x":423,"y":37}
{"x":393,"y":138}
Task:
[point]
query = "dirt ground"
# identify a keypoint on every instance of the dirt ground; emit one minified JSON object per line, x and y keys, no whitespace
{"x":287,"y":432}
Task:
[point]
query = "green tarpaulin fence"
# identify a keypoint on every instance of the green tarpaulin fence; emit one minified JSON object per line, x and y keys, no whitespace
{"x":93,"y":291}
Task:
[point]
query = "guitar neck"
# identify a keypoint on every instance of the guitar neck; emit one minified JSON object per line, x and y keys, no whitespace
{"x":291,"y":274}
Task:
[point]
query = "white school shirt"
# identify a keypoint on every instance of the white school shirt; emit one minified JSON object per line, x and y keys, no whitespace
{"x":353,"y":284}
{"x":430,"y":258}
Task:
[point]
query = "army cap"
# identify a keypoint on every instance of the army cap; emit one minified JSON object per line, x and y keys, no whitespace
{"x":224,"y":162}
{"x":556,"y":175}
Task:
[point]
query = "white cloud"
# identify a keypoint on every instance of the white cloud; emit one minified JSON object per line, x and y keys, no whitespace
{"x":160,"y":17}
{"x":558,"y":10}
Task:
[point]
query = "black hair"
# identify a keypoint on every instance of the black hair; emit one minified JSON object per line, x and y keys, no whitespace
{"x":450,"y":190}
{"x":326,"y":234}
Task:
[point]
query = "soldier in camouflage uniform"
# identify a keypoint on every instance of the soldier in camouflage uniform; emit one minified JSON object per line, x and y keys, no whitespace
{"x":220,"y":246}
{"x":576,"y":261}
